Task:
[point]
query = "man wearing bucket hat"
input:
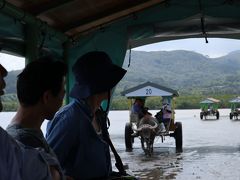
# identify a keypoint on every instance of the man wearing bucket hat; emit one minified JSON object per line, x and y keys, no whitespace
{"x":75,"y":134}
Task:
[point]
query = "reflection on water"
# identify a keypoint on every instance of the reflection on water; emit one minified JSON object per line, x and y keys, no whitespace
{"x":165,"y":163}
{"x":211,"y":148}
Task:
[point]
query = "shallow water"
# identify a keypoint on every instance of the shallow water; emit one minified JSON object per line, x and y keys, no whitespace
{"x":211,"y":148}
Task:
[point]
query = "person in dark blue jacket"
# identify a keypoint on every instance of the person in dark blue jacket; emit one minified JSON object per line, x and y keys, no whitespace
{"x":9,"y":156}
{"x":74,"y":134}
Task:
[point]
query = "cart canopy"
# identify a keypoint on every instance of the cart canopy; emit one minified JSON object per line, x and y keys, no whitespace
{"x":235,"y":100}
{"x":210,"y":101}
{"x":149,"y":89}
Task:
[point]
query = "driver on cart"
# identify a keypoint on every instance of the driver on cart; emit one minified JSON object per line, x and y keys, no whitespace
{"x":138,"y":108}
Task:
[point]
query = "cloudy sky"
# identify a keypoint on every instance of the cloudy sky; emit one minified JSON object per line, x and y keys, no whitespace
{"x":214,"y":48}
{"x":11,"y":62}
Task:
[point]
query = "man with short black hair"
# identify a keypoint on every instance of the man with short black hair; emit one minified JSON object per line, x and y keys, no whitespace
{"x":18,"y":162}
{"x":40,"y":90}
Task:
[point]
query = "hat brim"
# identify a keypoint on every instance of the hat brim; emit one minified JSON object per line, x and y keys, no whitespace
{"x":107,"y":82}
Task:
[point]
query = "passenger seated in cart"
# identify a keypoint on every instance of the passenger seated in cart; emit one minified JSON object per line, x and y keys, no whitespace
{"x":167,"y":115}
{"x":164,"y":115}
{"x":138,"y":108}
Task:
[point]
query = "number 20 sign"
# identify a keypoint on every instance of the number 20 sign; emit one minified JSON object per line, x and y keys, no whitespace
{"x":148,"y":91}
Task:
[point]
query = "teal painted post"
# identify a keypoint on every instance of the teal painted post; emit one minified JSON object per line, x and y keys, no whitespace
{"x":31,"y":40}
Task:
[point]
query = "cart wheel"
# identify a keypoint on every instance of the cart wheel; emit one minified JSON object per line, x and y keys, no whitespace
{"x":201,"y":115}
{"x":230,"y":116}
{"x":178,"y":136}
{"x":128,"y":137}
{"x":217,"y":115}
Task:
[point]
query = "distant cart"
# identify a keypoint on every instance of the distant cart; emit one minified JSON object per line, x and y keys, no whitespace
{"x":235,"y":108}
{"x":209,"y":107}
{"x":132,"y":129}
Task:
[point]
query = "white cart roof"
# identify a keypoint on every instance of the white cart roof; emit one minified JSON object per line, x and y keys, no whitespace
{"x":209,"y":101}
{"x":149,"y":89}
{"x":235,"y":100}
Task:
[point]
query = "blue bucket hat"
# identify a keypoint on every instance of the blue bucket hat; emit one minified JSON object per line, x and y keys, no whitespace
{"x":95,"y":73}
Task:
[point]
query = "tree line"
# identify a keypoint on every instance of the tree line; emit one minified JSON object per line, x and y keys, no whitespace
{"x":10,"y":102}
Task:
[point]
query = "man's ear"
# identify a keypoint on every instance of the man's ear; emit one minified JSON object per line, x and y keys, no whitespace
{"x":46,"y":97}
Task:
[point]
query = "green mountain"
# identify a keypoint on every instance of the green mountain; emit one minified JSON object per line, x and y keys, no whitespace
{"x":11,"y":81}
{"x":194,"y":75}
{"x":186,"y":71}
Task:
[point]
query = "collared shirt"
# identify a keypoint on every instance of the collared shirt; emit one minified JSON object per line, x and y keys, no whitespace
{"x":81,"y":151}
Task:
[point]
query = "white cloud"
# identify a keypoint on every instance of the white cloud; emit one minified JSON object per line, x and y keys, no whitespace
{"x":11,"y":62}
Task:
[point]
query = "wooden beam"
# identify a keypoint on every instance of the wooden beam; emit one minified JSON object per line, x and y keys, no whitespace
{"x":76,"y":28}
{"x":43,"y":7}
{"x":102,"y":14}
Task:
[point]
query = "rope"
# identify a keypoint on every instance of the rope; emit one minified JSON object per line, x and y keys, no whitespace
{"x":130,"y":55}
{"x":202,"y":21}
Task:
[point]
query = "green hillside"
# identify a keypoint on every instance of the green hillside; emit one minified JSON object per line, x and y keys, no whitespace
{"x":11,"y":80}
{"x":186,"y":71}
{"x":194,"y":75}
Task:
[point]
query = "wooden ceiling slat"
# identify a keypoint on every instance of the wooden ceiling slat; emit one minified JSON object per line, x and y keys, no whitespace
{"x":45,"y":7}
{"x":102,"y":14}
{"x":82,"y":26}
{"x":74,"y":17}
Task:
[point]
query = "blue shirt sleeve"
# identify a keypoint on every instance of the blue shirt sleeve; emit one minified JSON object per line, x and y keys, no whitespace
{"x":81,"y":151}
{"x":62,"y":133}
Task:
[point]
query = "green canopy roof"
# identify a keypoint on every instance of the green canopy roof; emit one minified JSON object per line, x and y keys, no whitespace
{"x":235,"y":100}
{"x":68,"y":29}
{"x":210,"y":101}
